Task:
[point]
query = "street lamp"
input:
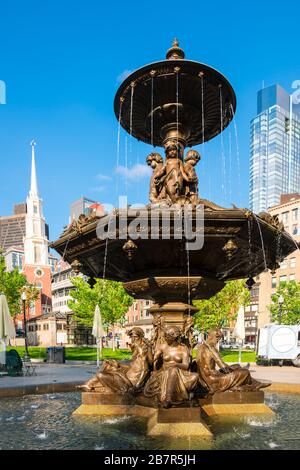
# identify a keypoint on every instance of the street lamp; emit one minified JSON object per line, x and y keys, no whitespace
{"x":280,"y":303}
{"x":23,"y":298}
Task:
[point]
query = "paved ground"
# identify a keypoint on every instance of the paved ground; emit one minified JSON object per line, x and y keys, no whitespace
{"x":287,"y":375}
{"x":51,"y":373}
{"x":65,"y":377}
{"x":49,"y":378}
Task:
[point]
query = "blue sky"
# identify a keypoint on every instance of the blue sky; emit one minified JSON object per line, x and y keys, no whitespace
{"x":62,"y":62}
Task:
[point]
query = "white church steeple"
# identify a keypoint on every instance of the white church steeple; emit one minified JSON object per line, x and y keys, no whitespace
{"x":34,"y":192}
{"x":35,"y":241}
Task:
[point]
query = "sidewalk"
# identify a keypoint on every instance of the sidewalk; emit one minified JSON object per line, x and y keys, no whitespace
{"x":53,"y":378}
{"x":283,"y":379}
{"x":50,"y":378}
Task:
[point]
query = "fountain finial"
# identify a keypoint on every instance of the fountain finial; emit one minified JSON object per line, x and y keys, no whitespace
{"x":175,"y":52}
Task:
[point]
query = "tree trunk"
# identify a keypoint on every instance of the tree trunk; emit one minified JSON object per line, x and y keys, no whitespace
{"x":113,"y":339}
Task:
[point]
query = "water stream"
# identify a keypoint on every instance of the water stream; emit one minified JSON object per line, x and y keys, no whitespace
{"x":230,"y":164}
{"x":126,"y":165}
{"x":152,"y":108}
{"x":106,"y":247}
{"x":202,"y":109}
{"x":177,"y":102}
{"x":185,"y":222}
{"x":223,"y":176}
{"x":131,"y":117}
{"x":118,"y":146}
{"x":262,"y":241}
{"x":237,"y":151}
{"x":250,"y":244}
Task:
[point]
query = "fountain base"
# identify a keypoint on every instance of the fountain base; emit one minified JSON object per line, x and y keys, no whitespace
{"x":235,"y":403}
{"x":175,"y":422}
{"x":183,"y":421}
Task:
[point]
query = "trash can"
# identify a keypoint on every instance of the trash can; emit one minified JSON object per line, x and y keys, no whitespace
{"x":56,"y":355}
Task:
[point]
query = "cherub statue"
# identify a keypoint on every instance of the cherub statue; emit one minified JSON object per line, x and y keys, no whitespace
{"x":172,"y":175}
{"x":191,"y":159}
{"x":155,"y":161}
{"x":188,"y":332}
{"x":158,"y":331}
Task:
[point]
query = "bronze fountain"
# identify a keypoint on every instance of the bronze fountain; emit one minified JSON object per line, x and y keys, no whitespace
{"x":174,"y":104}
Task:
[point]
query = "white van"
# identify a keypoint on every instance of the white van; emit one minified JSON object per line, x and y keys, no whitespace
{"x":279,"y":342}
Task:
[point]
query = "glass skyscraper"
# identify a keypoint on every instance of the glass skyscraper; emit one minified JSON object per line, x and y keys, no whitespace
{"x":275,"y":148}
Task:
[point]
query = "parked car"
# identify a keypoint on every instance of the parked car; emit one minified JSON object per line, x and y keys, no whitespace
{"x":225,"y":346}
{"x":229,"y":346}
{"x":249,"y":346}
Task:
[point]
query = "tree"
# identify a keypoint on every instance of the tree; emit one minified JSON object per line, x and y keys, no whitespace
{"x":109,"y":295}
{"x":12,"y":283}
{"x":289,"y":312}
{"x":223,"y":307}
{"x":32,"y":294}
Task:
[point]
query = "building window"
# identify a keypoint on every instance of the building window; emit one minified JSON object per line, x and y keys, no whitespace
{"x":283,"y":264}
{"x":274,"y":282}
{"x":293,"y":262}
{"x":37,"y":254}
{"x":295,"y":229}
{"x":283,"y":279}
{"x":295,"y":215}
{"x":292,"y":277}
{"x":46,"y":326}
{"x":285,"y":217}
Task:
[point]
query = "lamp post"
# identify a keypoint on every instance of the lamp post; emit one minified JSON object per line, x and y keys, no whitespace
{"x":23,"y":297}
{"x":280,"y":303}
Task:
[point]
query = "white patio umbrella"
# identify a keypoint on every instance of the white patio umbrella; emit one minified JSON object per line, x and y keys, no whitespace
{"x":98,"y":332}
{"x":239,"y":330}
{"x":7,"y":327}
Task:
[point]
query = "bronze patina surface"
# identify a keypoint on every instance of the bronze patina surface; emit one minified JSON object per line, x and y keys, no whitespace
{"x":163,"y":104}
{"x":161,"y":109}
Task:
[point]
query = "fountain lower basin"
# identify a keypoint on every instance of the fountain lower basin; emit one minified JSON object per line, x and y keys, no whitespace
{"x":46,"y":422}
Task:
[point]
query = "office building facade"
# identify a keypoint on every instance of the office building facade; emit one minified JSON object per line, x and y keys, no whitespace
{"x":288,"y":212}
{"x":275,"y":149}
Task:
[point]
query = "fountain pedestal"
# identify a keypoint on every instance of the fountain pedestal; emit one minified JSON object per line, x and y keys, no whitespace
{"x":174,"y":313}
{"x":183,"y":421}
{"x":235,"y":403}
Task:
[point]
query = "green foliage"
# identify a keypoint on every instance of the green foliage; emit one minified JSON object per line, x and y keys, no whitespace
{"x":223,"y":307}
{"x":289,"y":312}
{"x":11,"y":284}
{"x":109,"y":295}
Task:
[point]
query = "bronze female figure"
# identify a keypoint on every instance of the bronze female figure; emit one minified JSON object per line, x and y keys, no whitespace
{"x":172,"y":383}
{"x":125,"y":379}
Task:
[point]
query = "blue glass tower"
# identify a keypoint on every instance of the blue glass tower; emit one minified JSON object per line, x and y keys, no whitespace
{"x":275,"y":148}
